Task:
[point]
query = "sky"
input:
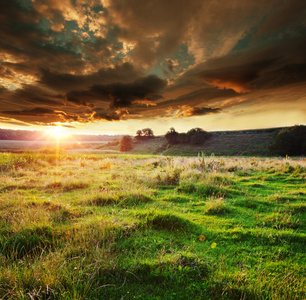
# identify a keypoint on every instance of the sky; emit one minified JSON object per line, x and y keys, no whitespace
{"x":116,"y":66}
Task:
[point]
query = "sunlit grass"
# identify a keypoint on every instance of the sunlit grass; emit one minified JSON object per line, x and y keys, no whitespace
{"x":90,"y":226}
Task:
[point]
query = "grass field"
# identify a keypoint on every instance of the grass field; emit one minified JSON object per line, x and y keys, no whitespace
{"x":99,"y":226}
{"x":232,"y":144}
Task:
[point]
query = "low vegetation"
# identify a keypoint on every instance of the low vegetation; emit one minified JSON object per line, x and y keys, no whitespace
{"x":96,"y":226}
{"x":289,"y":141}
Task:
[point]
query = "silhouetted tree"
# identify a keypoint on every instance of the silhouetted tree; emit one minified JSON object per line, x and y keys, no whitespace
{"x":126,"y":143}
{"x":195,"y":136}
{"x":144,"y":134}
{"x":148,"y":132}
{"x":172,"y":136}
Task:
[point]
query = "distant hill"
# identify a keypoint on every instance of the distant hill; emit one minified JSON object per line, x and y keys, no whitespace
{"x":229,"y":144}
{"x":221,"y":143}
{"x":246,"y":144}
{"x":28,"y":135}
{"x":254,"y":142}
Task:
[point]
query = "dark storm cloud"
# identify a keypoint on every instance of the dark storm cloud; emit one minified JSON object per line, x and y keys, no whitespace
{"x":81,"y":98}
{"x":290,"y":13}
{"x":28,"y":96}
{"x":119,"y":94}
{"x":108,"y":115}
{"x":24,"y":35}
{"x":122,"y":95}
{"x":201,"y":96}
{"x":30,"y":112}
{"x":80,"y":61}
{"x":244,"y":71}
{"x":67,"y":82}
{"x":200,"y":111}
{"x":42,"y":115}
{"x":236,"y":77}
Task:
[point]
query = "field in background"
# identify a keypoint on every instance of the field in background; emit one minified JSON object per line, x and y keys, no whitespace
{"x":231,"y":144}
{"x":146,"y":227}
{"x":45,"y":146}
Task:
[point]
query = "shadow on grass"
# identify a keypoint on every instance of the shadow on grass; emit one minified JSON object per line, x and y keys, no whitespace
{"x":182,"y":278}
{"x":28,"y":242}
{"x":120,"y":200}
{"x":207,"y":190}
{"x":169,"y":222}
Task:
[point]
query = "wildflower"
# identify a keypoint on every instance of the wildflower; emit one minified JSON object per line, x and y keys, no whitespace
{"x":213,"y":245}
{"x":202,"y":237}
{"x":20,"y":261}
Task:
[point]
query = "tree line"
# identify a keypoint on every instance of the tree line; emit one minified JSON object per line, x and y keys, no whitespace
{"x":195,"y":136}
{"x":287,"y":141}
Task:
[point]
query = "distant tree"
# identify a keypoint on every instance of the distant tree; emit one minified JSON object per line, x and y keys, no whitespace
{"x":148,"y":132}
{"x":172,"y":136}
{"x":139,"y":133}
{"x":289,"y":141}
{"x":197,"y":136}
{"x":126,"y":143}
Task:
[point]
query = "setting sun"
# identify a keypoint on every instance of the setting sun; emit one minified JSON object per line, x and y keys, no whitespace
{"x":57,"y":132}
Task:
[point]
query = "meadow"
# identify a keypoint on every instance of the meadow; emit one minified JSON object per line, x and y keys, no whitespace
{"x":106,"y":226}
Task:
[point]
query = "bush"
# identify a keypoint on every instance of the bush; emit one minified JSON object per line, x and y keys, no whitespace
{"x":126,"y":144}
{"x":289,"y":141}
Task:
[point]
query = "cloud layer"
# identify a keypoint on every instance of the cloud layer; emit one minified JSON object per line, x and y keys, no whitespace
{"x":89,"y":61}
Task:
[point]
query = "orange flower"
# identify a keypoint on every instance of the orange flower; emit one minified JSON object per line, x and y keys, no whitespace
{"x":202,"y":237}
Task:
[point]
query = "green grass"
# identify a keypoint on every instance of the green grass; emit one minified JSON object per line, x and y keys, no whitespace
{"x":232,"y":144}
{"x":96,"y":226}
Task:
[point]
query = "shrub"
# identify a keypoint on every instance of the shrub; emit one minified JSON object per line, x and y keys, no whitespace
{"x":126,"y":144}
{"x":289,"y":141}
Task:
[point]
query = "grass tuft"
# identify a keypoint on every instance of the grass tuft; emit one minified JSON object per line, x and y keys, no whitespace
{"x":162,"y":221}
{"x":216,"y":206}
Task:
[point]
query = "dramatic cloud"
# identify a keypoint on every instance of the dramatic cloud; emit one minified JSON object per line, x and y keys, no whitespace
{"x":86,"y":61}
{"x":188,"y":111}
{"x":30,"y":112}
{"x":122,"y":95}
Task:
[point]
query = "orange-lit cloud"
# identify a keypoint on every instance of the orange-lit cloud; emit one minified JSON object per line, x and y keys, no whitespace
{"x":227,"y":84}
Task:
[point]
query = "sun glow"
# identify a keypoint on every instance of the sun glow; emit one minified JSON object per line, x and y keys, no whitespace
{"x":57,"y":132}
